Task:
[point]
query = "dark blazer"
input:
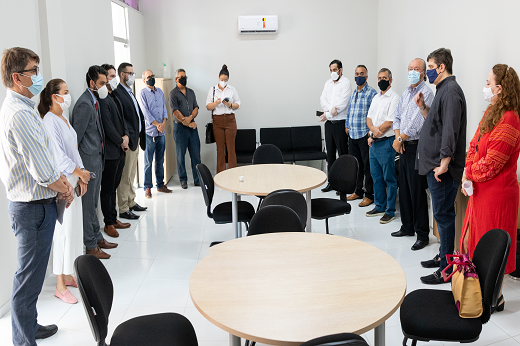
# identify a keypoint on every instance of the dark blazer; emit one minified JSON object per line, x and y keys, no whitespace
{"x":132,"y":118}
{"x":114,"y":126}
{"x":89,"y":128}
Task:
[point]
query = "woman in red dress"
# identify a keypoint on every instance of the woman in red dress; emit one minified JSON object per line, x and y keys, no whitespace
{"x":491,"y":165}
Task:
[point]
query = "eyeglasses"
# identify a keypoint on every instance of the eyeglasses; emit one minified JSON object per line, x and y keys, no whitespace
{"x":130,"y":73}
{"x":36,"y":70}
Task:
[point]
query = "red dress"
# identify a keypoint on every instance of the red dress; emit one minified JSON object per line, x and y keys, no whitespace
{"x":492,"y":169}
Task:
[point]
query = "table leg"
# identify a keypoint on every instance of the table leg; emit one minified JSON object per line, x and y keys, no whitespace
{"x":308,"y":199}
{"x":234,"y":340}
{"x":240,"y":234}
{"x":234,"y":214}
{"x":379,"y":335}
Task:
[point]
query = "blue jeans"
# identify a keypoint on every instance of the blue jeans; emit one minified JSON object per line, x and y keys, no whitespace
{"x":443,"y":203}
{"x":186,"y":138}
{"x":154,"y":145}
{"x":33,"y":227}
{"x":382,"y":169}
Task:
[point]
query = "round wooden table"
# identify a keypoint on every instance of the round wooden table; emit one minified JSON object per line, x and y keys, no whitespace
{"x":287,"y":288}
{"x":260,"y":180}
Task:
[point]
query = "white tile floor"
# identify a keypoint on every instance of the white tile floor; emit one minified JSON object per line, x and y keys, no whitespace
{"x":151,"y":267}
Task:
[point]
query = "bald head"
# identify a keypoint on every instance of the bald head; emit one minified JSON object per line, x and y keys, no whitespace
{"x":147,"y":73}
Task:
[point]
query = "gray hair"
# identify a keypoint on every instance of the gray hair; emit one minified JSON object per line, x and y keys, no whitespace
{"x":384,"y":69}
{"x":179,"y":71}
{"x":145,"y":73}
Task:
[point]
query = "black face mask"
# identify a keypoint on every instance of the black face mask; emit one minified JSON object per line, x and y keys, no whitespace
{"x":183,"y":80}
{"x":151,"y":82}
{"x":383,"y":84}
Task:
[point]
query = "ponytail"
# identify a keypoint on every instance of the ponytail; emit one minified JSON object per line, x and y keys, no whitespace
{"x":52,"y":87}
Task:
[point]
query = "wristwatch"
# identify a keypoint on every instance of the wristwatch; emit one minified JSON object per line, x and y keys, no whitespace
{"x":399,"y":139}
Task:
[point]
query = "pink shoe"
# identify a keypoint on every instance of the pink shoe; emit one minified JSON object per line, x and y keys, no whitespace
{"x":67,"y":297}
{"x":72,"y":283}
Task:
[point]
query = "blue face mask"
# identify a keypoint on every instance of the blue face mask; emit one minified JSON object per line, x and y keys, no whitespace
{"x":414,"y":77}
{"x":37,"y":84}
{"x":432,"y":75}
{"x":360,"y":80}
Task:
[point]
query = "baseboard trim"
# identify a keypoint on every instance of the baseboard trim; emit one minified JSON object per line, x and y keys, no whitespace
{"x":5,"y":309}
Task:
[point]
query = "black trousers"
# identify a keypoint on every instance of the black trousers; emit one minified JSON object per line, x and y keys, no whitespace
{"x":413,"y":202}
{"x":359,"y":149}
{"x":109,"y":183}
{"x":336,"y":139}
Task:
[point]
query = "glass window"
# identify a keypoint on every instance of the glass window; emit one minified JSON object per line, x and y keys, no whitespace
{"x":132,"y":3}
{"x":121,"y":53}
{"x":119,"y":21}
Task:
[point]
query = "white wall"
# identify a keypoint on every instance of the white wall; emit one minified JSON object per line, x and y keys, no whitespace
{"x":279,"y":77}
{"x":477,"y":36}
{"x":137,"y":39}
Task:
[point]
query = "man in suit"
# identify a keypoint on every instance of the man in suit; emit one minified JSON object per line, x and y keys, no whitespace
{"x":116,"y":144}
{"x":134,"y":120}
{"x":86,"y":120}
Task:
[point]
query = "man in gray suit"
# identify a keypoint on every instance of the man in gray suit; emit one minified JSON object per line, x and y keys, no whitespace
{"x":91,"y":145}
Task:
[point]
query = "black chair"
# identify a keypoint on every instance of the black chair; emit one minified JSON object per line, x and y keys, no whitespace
{"x":222,"y":213}
{"x":289,"y":198}
{"x":97,"y":293}
{"x":267,"y":153}
{"x":432,"y":315}
{"x":274,"y":219}
{"x":342,"y":339}
{"x":245,"y":145}
{"x":342,"y":178}
{"x":306,"y":143}
{"x":281,"y":137}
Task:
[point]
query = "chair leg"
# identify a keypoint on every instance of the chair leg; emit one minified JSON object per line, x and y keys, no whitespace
{"x":405,"y":341}
{"x":327,"y":225}
{"x":414,"y":342}
{"x":246,"y":343}
{"x":253,"y":343}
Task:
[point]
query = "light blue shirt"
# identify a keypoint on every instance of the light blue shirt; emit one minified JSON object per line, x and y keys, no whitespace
{"x":27,"y":164}
{"x":154,"y":109}
{"x":135,"y":104}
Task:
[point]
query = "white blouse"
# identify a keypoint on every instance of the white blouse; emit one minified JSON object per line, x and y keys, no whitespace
{"x":65,"y":143}
{"x":228,"y":91}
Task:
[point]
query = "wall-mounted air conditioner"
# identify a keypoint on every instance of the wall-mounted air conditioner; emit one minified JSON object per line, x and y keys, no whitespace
{"x":257,"y":24}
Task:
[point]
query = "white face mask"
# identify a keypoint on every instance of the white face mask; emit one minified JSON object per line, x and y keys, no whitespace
{"x":488,"y":93}
{"x":113,"y":83}
{"x":334,"y":76}
{"x":130,"y":81}
{"x":66,"y":101}
{"x":223,"y":83}
{"x":103,"y":92}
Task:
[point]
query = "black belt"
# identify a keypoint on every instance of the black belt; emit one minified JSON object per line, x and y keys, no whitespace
{"x":414,"y":142}
{"x":377,"y":140}
{"x":43,"y":201}
{"x":337,"y":121}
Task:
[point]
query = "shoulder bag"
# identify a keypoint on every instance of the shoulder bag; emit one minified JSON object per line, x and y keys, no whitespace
{"x":210,"y":138}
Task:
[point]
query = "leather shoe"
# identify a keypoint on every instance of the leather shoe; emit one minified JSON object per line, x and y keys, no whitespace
{"x":401,"y":233}
{"x":366,"y":202}
{"x":121,"y":225}
{"x":137,"y":207}
{"x":111,"y":231}
{"x":327,"y":188}
{"x":97,"y":252}
{"x":184,"y":185}
{"x":129,"y":215}
{"x":353,"y":197}
{"x":197,"y":183}
{"x":433,"y":263}
{"x":164,"y":189}
{"x":104,"y":244}
{"x":148,"y":193}
{"x":434,"y":279}
{"x":44,"y":332}
{"x":420,"y":244}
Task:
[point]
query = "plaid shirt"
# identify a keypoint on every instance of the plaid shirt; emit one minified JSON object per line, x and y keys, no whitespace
{"x":357,"y":111}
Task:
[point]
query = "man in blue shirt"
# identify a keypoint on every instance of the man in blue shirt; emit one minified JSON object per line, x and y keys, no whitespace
{"x":357,"y":129}
{"x":155,"y":117}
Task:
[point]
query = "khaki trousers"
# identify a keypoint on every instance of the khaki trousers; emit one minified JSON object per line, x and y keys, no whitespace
{"x":225,"y":131}
{"x":125,"y":191}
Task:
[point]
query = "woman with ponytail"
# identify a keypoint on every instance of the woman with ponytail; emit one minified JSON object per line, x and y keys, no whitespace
{"x":68,"y":236}
{"x":491,"y":164}
{"x":223,"y":101}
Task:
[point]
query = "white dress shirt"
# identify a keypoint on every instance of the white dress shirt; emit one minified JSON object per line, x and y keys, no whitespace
{"x":336,"y":95}
{"x":383,"y":109}
{"x":228,"y":91}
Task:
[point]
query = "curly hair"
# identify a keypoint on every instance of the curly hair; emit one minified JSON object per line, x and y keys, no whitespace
{"x":508,"y":99}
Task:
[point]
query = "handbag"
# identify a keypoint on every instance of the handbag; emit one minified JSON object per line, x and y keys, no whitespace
{"x":210,"y":138}
{"x":465,"y":285}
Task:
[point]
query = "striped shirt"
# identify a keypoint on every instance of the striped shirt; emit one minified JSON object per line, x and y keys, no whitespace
{"x":27,"y":164}
{"x":357,"y":111}
{"x":408,"y":118}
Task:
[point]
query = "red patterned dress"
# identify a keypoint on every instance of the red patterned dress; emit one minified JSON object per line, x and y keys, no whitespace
{"x":491,"y":166}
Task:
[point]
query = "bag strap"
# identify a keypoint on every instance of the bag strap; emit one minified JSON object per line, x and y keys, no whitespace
{"x":213,"y":101}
